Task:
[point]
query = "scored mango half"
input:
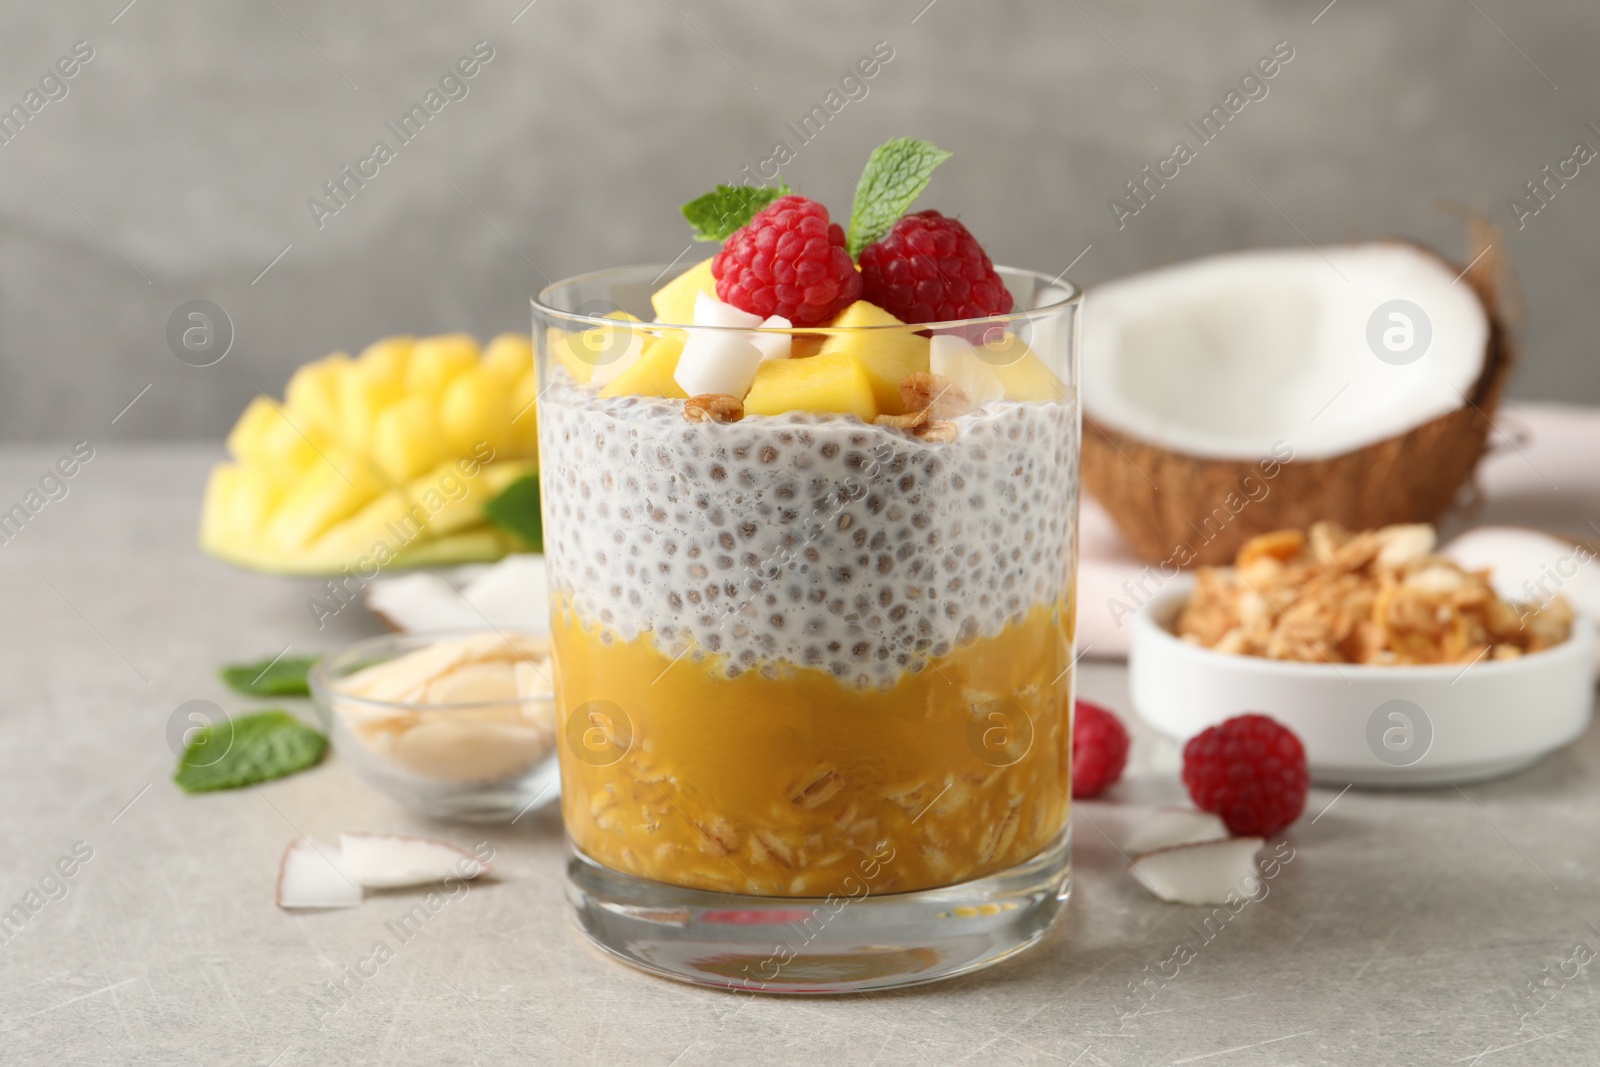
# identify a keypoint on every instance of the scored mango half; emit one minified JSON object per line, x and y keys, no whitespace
{"x":386,"y":459}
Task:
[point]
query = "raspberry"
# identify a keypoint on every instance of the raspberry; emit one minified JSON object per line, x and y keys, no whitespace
{"x":1099,"y":749}
{"x":928,"y":268}
{"x":789,"y":260}
{"x":1250,"y":770}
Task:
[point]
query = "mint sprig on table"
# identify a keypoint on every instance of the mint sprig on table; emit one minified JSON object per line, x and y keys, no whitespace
{"x":517,"y":509}
{"x":284,"y":676}
{"x":717,"y":215}
{"x":240,"y":752}
{"x":895,"y":175}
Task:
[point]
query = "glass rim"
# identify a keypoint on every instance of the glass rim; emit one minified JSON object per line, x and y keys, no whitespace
{"x":1072,"y":295}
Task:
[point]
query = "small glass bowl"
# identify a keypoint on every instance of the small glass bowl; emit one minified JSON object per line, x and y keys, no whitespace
{"x":481,"y":762}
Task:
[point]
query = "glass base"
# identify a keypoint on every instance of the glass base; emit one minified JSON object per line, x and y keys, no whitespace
{"x":816,"y":945}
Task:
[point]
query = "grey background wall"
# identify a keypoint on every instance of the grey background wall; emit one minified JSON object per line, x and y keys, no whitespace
{"x":179,"y":163}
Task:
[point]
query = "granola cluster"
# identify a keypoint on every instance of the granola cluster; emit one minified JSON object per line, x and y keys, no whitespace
{"x":1381,"y":597}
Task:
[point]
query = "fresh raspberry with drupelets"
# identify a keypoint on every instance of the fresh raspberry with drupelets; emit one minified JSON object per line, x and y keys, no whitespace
{"x":1250,"y":770}
{"x":788,"y":260}
{"x":1099,"y":750}
{"x":929,"y":268}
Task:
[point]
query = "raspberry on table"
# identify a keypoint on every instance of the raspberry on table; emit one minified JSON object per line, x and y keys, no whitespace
{"x":1250,"y":770}
{"x":789,"y":260}
{"x":929,"y":268}
{"x":1099,"y":749}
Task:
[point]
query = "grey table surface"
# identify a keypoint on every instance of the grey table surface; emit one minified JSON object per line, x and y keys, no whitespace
{"x":1406,"y":929}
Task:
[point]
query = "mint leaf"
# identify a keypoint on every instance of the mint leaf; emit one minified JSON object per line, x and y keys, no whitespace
{"x":281,"y":677}
{"x":895,"y":175}
{"x":517,"y":509}
{"x":716,"y":215}
{"x":240,"y":752}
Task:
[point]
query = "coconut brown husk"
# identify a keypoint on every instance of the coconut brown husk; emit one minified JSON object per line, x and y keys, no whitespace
{"x":1187,"y":509}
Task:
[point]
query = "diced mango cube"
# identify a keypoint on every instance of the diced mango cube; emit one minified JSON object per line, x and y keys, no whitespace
{"x":651,"y":373}
{"x":361,"y":399}
{"x":510,"y":356}
{"x":312,"y":396}
{"x":328,"y":492}
{"x":407,"y":439}
{"x":476,"y":411}
{"x":387,"y":360}
{"x":887,"y":355}
{"x":674,"y":302}
{"x":435,"y":361}
{"x":833,"y":381}
{"x":1021,"y":371}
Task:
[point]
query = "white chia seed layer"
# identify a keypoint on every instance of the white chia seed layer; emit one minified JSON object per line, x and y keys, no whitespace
{"x":801,"y":539}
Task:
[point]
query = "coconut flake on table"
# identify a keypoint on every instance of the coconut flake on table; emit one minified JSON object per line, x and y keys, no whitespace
{"x":310,"y":876}
{"x":1208,"y":872}
{"x":513,"y":594}
{"x":1168,"y":827}
{"x":394,"y":861}
{"x":1227,"y":356}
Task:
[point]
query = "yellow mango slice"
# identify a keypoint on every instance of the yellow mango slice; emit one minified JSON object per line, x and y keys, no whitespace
{"x":388,"y":360}
{"x":674,"y":302}
{"x":510,"y":356}
{"x":327,"y":493}
{"x":476,"y":411}
{"x":437,"y":360}
{"x":651,"y":373}
{"x":407,"y":439}
{"x":453,"y":500}
{"x":833,"y":381}
{"x":887,"y":355}
{"x":1021,"y":371}
{"x":362,"y":397}
{"x":525,"y":416}
{"x":312,"y":396}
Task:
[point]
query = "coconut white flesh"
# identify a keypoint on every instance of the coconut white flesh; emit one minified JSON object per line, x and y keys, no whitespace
{"x":1529,"y":567}
{"x":421,"y":601}
{"x":1226,"y":356}
{"x":391,"y":861}
{"x":719,"y":361}
{"x":952,"y":357}
{"x":310,"y":876}
{"x":1167,"y":827}
{"x":1204,"y":873}
{"x":773,"y":345}
{"x":513,"y":594}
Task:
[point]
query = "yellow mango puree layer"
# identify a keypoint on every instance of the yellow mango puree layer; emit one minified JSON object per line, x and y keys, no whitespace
{"x":792,"y":785}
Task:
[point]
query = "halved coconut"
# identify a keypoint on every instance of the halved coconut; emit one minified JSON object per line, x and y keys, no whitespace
{"x":1249,"y":392}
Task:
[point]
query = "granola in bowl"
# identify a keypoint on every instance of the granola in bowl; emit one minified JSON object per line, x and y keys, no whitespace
{"x":1380,"y":597}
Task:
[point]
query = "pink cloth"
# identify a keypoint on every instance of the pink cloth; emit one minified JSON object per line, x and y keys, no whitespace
{"x":1541,"y":472}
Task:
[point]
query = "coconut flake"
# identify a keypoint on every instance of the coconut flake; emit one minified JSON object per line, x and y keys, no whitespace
{"x":1224,"y":357}
{"x":773,"y":345}
{"x":419,"y":602}
{"x":1204,"y":873}
{"x":514,"y":594}
{"x":1168,"y":827}
{"x":720,"y":361}
{"x":310,"y":875}
{"x":392,"y":861}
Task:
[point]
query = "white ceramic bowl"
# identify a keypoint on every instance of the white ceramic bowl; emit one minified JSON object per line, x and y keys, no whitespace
{"x":1372,"y":726}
